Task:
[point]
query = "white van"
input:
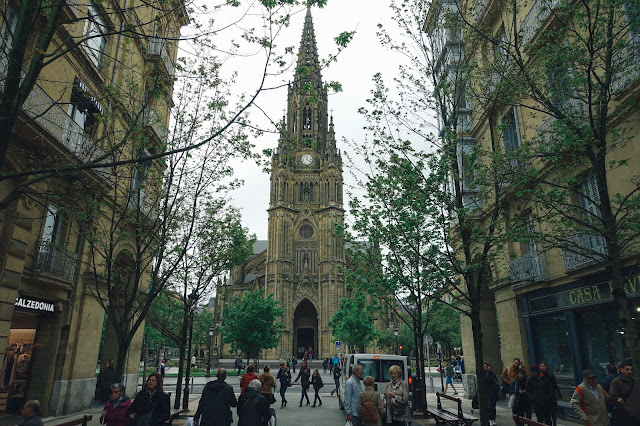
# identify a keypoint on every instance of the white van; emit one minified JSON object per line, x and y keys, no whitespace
{"x":376,"y":366}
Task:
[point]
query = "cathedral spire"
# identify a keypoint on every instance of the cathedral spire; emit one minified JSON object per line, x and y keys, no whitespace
{"x":308,"y":62}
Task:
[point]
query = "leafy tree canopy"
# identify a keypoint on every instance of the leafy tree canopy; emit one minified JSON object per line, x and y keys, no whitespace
{"x":353,"y":323}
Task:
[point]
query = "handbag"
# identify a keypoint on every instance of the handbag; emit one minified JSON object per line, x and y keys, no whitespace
{"x":348,"y":423}
{"x":512,"y":400}
{"x":505,"y":387}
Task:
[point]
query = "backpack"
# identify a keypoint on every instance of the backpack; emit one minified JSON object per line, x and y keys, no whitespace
{"x":369,"y":412}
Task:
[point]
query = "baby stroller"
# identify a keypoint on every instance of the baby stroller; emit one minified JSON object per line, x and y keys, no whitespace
{"x":457,"y":373}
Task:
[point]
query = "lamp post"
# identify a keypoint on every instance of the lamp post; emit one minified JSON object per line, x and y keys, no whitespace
{"x":395,"y":333}
{"x":208,"y":373}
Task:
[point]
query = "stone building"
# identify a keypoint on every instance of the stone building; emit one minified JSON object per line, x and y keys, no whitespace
{"x":301,"y":261}
{"x":83,"y":103}
{"x":555,"y":302}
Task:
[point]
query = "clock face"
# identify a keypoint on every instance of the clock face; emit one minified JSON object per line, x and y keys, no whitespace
{"x":307,"y":159}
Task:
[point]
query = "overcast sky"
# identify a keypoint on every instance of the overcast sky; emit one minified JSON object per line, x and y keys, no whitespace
{"x":354,"y":70}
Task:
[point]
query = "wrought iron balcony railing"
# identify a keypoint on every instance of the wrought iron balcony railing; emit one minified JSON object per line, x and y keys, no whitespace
{"x":588,"y":249}
{"x":55,"y":260}
{"x":531,"y":267}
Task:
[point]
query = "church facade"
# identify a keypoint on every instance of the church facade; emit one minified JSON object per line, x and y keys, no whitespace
{"x":302,"y":260}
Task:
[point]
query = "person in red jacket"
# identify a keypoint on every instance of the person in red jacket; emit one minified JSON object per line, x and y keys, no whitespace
{"x":116,"y":410}
{"x":247,"y":378}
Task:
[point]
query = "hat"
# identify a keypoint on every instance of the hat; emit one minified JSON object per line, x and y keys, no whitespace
{"x":588,"y":374}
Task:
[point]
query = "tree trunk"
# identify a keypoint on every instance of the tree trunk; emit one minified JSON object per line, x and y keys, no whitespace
{"x":121,"y":360}
{"x":476,"y":328}
{"x":185,"y":399}
{"x":183,"y":344}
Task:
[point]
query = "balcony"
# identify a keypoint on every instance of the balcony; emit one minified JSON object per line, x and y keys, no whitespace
{"x":158,"y":51}
{"x":531,"y":267}
{"x":587,"y":250}
{"x":151,"y":119}
{"x":537,"y":16}
{"x":55,"y":260}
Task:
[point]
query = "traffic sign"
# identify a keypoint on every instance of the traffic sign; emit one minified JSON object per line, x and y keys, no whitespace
{"x":428,"y":340}
{"x":338,"y":344}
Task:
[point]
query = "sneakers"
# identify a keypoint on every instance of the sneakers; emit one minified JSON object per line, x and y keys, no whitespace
{"x":492,"y":423}
{"x":455,"y":393}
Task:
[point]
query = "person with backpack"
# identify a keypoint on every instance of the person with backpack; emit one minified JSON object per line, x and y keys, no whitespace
{"x":370,"y":404}
{"x":316,"y":382}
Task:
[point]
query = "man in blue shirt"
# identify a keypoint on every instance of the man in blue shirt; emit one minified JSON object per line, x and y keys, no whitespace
{"x":352,"y":391}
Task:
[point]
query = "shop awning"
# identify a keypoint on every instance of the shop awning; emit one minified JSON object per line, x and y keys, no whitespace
{"x":82,"y":95}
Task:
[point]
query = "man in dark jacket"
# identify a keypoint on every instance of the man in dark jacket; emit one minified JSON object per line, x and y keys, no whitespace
{"x":253,"y":408}
{"x":626,"y":392}
{"x":216,"y":402}
{"x":542,"y":395}
{"x":106,"y":379}
{"x":31,"y":414}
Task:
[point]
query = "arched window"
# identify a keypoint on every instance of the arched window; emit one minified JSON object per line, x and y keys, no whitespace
{"x":306,"y":118}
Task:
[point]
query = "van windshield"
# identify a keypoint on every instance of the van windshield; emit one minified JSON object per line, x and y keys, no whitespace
{"x":379,"y":368}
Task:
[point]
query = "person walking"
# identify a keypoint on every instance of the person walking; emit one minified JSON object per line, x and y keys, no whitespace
{"x":304,"y":375}
{"x":491,"y":387}
{"x":106,"y":379}
{"x":253,"y":409}
{"x":449,"y":378}
{"x":612,"y":373}
{"x":116,"y":410}
{"x":284,"y":376}
{"x":294,"y":361}
{"x":268,"y":384}
{"x":316,"y":382}
{"x":370,"y":395}
{"x":509,"y":374}
{"x":352,"y":390}
{"x":247,"y":378}
{"x":31,"y":412}
{"x":522,"y":402}
{"x":589,"y":401}
{"x":396,"y":397}
{"x":151,"y":406}
{"x":215,"y":403}
{"x":540,"y":390}
{"x":325,"y":365}
{"x":337,"y":372}
{"x":238,"y":364}
{"x":557,"y":395}
{"x":626,"y":393}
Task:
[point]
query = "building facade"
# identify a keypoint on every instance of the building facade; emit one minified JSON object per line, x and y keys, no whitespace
{"x":555,"y":299}
{"x":301,"y":261}
{"x":79,"y":110}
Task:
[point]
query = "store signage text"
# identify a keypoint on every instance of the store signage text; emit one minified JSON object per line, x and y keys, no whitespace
{"x":37,"y":305}
{"x":589,"y":294}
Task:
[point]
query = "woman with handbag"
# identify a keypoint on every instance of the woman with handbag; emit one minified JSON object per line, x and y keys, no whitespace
{"x":491,"y":386}
{"x":304,"y":375}
{"x":396,"y":398}
{"x":316,"y":382}
{"x":151,"y":406}
{"x":519,"y":401}
{"x":284,"y":376}
{"x":268,"y":385}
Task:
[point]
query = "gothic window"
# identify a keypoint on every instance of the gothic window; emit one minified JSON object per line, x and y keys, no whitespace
{"x":295,"y":120}
{"x":301,"y":187}
{"x":305,"y":260}
{"x":306,"y":231}
{"x":306,"y":118}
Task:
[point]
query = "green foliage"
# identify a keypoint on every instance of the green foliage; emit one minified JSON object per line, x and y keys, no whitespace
{"x":353,"y":323}
{"x":252,"y":323}
{"x":444,"y":326}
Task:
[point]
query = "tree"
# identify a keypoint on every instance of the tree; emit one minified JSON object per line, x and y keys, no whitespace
{"x":251,"y":323}
{"x":353,"y":323}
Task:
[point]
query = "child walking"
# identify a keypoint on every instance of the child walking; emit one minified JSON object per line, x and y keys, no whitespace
{"x":316,"y":381}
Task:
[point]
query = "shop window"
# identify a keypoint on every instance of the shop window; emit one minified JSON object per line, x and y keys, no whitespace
{"x":603,"y":340}
{"x":7,"y":31}
{"x":95,"y":32}
{"x":552,"y":341}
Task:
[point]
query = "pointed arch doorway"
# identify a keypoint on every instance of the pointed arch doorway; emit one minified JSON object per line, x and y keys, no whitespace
{"x":305,"y":328}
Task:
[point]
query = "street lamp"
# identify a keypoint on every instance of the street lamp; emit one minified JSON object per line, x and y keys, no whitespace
{"x":395,"y":333}
{"x":208,"y":373}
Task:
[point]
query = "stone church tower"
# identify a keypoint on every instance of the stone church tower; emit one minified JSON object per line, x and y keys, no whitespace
{"x":304,"y":258}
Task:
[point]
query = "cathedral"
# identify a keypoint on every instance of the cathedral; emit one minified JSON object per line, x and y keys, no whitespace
{"x":302,"y":260}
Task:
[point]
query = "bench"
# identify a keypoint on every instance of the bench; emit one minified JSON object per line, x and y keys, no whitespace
{"x":526,"y":421}
{"x":446,"y":415}
{"x":80,"y":421}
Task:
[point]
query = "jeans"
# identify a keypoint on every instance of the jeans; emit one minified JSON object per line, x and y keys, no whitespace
{"x":337,"y":386}
{"x":283,"y":390}
{"x":356,"y":421}
{"x":543,"y":415}
{"x":304,"y":395}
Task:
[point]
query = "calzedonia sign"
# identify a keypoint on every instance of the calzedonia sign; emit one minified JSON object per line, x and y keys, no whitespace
{"x":34,"y":304}
{"x":581,"y":296}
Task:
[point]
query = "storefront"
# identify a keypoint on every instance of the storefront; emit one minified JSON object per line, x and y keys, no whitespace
{"x":575,"y":327}
{"x":24,"y":351}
